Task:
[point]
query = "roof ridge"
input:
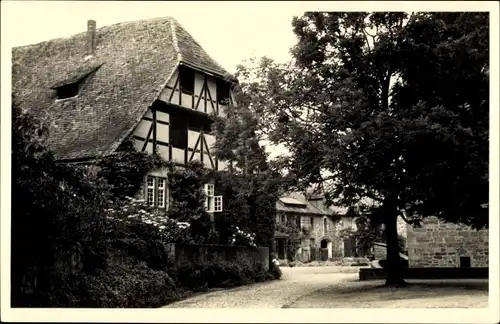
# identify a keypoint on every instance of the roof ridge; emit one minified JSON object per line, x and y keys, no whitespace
{"x":101,"y":28}
{"x":175,"y":41}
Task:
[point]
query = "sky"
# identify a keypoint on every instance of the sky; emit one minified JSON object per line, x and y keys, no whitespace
{"x":230,"y":32}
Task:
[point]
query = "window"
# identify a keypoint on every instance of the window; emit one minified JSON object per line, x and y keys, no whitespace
{"x":156,"y":192}
{"x":71,"y":86}
{"x":312,"y":222}
{"x":178,"y":132}
{"x":150,"y":193}
{"x":283,"y":219}
{"x":312,"y":242}
{"x":325,"y":225}
{"x":213,"y":204}
{"x":161,"y":192}
{"x":68,"y":90}
{"x":218,"y":204}
{"x":222,"y":92}
{"x":186,"y":80}
{"x":200,"y":123}
{"x":297,"y":221}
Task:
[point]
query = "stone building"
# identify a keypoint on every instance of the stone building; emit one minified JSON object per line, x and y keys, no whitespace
{"x":441,"y":244}
{"x":319,"y":226}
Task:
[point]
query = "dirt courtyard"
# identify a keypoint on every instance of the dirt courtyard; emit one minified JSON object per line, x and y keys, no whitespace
{"x":339,"y":287}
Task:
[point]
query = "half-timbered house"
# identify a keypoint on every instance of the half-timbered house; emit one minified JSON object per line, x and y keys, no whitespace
{"x":148,"y":80}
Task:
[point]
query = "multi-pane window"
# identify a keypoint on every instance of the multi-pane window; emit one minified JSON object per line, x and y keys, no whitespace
{"x":218,"y":204}
{"x":161,"y":192}
{"x":150,"y":192}
{"x":156,"y":192}
{"x":213,"y":204}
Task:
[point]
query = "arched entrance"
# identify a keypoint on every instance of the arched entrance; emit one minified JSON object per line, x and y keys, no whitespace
{"x":325,"y":249}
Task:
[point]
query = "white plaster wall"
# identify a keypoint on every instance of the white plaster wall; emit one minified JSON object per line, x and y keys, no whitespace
{"x":142,"y":128}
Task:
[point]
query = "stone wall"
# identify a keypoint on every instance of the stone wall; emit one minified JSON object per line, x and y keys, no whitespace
{"x":441,"y":244}
{"x":316,"y":234}
{"x":402,"y":228}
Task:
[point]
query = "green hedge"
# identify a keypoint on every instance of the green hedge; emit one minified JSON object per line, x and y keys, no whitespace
{"x":220,"y":274}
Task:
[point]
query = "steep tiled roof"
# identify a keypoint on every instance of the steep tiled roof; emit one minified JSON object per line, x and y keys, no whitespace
{"x":132,"y":63}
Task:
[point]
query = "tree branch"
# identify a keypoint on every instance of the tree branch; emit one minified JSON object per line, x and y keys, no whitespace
{"x":365,"y":33}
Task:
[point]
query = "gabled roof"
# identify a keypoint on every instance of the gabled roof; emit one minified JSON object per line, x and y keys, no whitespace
{"x":131,"y":65}
{"x":305,"y":208}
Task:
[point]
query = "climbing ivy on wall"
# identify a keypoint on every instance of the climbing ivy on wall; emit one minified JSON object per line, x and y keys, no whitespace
{"x":249,"y":199}
{"x":293,"y":240}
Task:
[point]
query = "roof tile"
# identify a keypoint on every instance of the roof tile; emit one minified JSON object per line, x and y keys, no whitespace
{"x":136,"y":60}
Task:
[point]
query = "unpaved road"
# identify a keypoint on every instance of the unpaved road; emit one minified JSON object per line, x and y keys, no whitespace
{"x":332,"y":287}
{"x":294,"y":284}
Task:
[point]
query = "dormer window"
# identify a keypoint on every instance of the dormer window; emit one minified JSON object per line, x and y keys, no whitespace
{"x":222,"y":92}
{"x":68,"y":90}
{"x":73,"y":85}
{"x":186,"y":79}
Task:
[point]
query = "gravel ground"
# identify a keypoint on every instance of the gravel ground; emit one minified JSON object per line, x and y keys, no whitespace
{"x":295,"y":283}
{"x":460,"y":293}
{"x":339,"y":287}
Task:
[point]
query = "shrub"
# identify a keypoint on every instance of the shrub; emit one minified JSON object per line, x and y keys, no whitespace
{"x":56,"y":217}
{"x":220,"y":274}
{"x":127,"y":283}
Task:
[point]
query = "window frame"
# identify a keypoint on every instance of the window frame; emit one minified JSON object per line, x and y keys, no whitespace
{"x":164,"y":204}
{"x":152,"y":188}
{"x":218,"y":204}
{"x":209,"y":189}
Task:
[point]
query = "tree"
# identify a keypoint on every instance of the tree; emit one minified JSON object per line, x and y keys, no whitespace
{"x":251,"y":184}
{"x":56,"y":217}
{"x":390,"y":107}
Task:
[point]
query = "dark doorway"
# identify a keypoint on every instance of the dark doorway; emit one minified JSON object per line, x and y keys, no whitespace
{"x":280,"y":244}
{"x":323,"y":250}
{"x":464,"y":262}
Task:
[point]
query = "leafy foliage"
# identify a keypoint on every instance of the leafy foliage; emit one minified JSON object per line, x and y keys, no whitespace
{"x":56,"y":218}
{"x":294,"y":237}
{"x":252,"y":185}
{"x":124,"y":170}
{"x":203,"y":275}
{"x":390,"y":107}
{"x":80,"y":241}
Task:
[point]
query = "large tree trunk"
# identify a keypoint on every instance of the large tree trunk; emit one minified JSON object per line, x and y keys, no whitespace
{"x":394,"y":269}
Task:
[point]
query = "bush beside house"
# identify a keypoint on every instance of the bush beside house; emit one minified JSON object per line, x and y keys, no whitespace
{"x":79,"y":241}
